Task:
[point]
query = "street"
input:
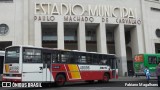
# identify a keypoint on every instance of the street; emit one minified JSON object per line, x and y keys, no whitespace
{"x":123,"y":83}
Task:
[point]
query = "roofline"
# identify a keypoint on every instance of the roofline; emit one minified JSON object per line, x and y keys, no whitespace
{"x":60,"y":49}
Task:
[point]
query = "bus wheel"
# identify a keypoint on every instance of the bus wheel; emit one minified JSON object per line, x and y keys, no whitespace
{"x":106,"y":77}
{"x":60,"y":80}
{"x":90,"y":81}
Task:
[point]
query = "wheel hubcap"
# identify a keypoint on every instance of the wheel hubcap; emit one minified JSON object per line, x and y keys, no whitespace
{"x":105,"y":78}
{"x":60,"y":81}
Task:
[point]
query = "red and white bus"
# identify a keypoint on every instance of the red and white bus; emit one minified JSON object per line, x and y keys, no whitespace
{"x":28,"y":63}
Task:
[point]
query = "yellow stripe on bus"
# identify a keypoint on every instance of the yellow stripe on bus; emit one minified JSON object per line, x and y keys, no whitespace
{"x":6,"y":67}
{"x":74,"y":71}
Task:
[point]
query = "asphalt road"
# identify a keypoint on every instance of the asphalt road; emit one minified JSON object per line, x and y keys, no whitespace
{"x":123,"y":83}
{"x":90,"y":88}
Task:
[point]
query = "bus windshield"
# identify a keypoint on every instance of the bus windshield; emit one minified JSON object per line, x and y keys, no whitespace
{"x":12,"y":55}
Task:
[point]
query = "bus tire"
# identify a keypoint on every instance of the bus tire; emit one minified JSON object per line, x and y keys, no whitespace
{"x":60,"y":80}
{"x":100,"y":81}
{"x":89,"y":81}
{"x":106,"y":77}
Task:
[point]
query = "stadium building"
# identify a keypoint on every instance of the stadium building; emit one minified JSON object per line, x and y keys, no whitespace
{"x":121,"y":27}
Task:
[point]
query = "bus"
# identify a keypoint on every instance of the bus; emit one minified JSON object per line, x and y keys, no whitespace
{"x":2,"y":53}
{"x":141,"y":61}
{"x":29,"y":63}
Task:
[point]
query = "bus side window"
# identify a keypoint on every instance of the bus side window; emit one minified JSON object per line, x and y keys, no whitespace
{"x":72,"y":58}
{"x":158,"y":61}
{"x":82,"y":59}
{"x":76,"y":58}
{"x":48,"y":60}
{"x":32,"y":56}
{"x":103,"y":62}
{"x":152,"y":60}
{"x":55,"y":58}
{"x":88,"y":59}
{"x":65,"y":57}
{"x":149,"y":60}
{"x":95,"y":60}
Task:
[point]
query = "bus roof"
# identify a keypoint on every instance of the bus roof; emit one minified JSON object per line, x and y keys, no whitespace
{"x":61,"y":49}
{"x":149,"y":54}
{"x":23,"y":46}
{"x":2,"y":53}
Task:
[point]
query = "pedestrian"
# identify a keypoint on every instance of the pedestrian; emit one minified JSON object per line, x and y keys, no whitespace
{"x":158,"y":74}
{"x":147,"y":73}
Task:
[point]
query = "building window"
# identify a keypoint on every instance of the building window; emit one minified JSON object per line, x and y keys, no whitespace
{"x":110,"y":36}
{"x":6,"y":1}
{"x":4,"y":29}
{"x":156,"y":1}
{"x":91,"y":35}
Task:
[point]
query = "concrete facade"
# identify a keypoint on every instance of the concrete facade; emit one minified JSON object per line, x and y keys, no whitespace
{"x":137,"y":17}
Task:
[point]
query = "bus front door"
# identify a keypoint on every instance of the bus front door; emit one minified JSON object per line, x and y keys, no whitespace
{"x":47,"y":72}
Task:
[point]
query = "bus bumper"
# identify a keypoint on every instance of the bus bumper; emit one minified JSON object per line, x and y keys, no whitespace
{"x":11,"y":79}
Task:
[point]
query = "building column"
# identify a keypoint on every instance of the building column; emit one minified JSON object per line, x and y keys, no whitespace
{"x":137,"y":41}
{"x":18,"y":17}
{"x":25,"y":22}
{"x":101,"y":38}
{"x":145,"y":10}
{"x":60,"y":35}
{"x":120,"y":48}
{"x":81,"y":37}
{"x":38,"y":34}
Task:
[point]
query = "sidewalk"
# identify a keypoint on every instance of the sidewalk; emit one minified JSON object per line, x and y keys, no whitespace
{"x":140,"y":78}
